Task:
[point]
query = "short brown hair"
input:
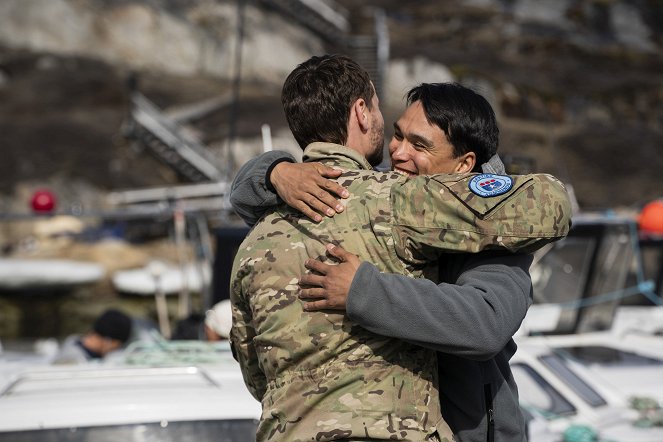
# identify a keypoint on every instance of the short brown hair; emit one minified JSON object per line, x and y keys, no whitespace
{"x":318,"y":94}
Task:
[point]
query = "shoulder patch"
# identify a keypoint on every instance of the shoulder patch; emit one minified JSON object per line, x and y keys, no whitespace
{"x":488,"y":184}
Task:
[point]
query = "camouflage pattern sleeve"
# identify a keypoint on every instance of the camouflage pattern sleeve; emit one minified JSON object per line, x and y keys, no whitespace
{"x":474,"y":212}
{"x":241,"y":342}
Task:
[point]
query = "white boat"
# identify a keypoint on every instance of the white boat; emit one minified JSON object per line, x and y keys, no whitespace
{"x":162,"y":277}
{"x":23,"y":274}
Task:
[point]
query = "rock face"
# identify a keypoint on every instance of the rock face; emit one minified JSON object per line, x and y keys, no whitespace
{"x":200,"y":39}
{"x":576,"y":84}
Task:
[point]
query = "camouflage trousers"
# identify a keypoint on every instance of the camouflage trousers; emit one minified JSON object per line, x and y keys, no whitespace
{"x":433,"y":438}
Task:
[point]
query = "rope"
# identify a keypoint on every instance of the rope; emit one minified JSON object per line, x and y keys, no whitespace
{"x":162,"y":352}
{"x":642,"y":287}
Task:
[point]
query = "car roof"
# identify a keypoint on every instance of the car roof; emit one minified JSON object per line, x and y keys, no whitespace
{"x":62,"y":397}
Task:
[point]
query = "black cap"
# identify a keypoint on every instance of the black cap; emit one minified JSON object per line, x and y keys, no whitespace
{"x":113,"y":324}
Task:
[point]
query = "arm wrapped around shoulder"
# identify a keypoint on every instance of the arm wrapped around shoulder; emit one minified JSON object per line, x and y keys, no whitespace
{"x":475,"y":212}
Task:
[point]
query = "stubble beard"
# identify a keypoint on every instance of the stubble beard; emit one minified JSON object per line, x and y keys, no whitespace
{"x":377,"y":141}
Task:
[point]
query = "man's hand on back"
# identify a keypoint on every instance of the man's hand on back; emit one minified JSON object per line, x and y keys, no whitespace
{"x":305,"y":187}
{"x":331,"y":283}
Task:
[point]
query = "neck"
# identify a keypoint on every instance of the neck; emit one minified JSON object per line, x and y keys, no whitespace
{"x":357,"y":142}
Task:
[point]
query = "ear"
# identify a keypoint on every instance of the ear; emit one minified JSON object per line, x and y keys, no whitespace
{"x":360,"y":113}
{"x":466,"y":163}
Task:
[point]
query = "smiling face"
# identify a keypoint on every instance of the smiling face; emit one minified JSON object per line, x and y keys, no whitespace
{"x":420,"y":147}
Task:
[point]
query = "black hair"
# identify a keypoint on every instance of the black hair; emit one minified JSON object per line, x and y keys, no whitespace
{"x":466,"y":118}
{"x":113,"y":324}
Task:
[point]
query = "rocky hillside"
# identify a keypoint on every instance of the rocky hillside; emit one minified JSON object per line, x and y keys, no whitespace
{"x":577,"y":84}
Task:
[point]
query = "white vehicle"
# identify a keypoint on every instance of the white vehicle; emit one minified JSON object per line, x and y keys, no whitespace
{"x":104,"y":402}
{"x":565,"y":392}
{"x":631,"y":364}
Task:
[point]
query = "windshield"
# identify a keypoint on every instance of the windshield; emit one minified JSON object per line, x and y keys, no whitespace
{"x":579,"y":272}
{"x":538,"y":395}
{"x":195,"y":431}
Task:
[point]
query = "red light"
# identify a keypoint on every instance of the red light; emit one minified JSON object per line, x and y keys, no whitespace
{"x":43,"y":201}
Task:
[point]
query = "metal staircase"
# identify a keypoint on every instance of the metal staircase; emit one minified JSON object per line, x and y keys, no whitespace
{"x":324,"y":17}
{"x":162,"y":134}
{"x":165,"y":138}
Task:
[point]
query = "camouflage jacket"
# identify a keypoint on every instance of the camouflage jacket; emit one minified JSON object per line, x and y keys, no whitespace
{"x":318,"y":375}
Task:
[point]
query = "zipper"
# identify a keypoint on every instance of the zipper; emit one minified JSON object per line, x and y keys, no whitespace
{"x":490,"y":413}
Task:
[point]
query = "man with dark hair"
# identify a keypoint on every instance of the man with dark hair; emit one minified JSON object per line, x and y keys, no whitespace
{"x":110,"y":331}
{"x":468,"y":138}
{"x":318,"y":375}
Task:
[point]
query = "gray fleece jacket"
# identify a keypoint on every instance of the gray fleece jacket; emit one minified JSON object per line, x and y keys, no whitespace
{"x":469,"y":318}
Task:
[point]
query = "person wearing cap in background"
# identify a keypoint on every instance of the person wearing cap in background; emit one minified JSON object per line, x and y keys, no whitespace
{"x":218,"y":321}
{"x":110,"y":332}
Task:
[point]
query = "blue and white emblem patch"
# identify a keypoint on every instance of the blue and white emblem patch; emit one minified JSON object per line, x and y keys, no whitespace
{"x":488,"y":184}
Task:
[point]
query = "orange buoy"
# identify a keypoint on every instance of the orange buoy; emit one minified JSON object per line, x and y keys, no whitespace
{"x":651,"y":217}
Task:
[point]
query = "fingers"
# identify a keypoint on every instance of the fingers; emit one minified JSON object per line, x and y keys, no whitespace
{"x":352,"y":261}
{"x":328,"y":172}
{"x":328,"y":190}
{"x":316,"y":266}
{"x":322,"y":300}
{"x":338,"y":252}
{"x":328,"y":185}
{"x":324,"y":193}
{"x":334,"y":187}
{"x":312,"y":199}
{"x":311,"y":281}
{"x":312,"y":293}
{"x":329,"y":202}
{"x":321,"y":201}
{"x":307,"y":211}
{"x":316,"y":293}
{"x":306,"y":187}
{"x":318,"y":305}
